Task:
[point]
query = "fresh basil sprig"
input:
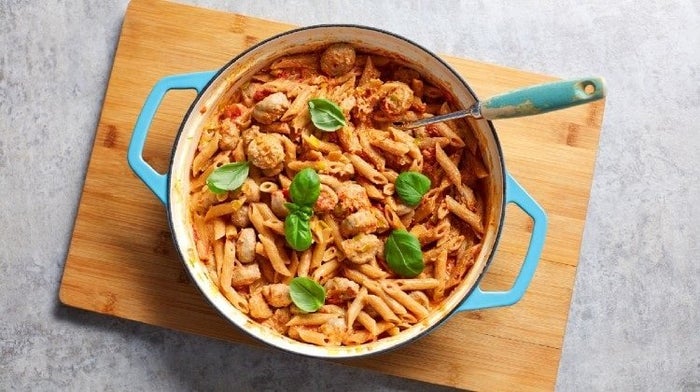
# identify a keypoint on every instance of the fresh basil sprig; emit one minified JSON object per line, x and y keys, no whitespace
{"x":300,"y":210}
{"x":228,"y":177}
{"x":306,"y":294}
{"x":411,"y":186}
{"x":403,"y":254}
{"x":304,"y":191}
{"x":297,"y":231}
{"x":305,"y":188}
{"x":326,"y":115}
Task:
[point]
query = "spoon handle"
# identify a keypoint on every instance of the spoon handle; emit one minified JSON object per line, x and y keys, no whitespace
{"x":543,"y":98}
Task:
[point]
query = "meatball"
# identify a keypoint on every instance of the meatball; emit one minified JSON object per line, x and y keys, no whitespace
{"x":362,"y":221}
{"x":277,"y":204}
{"x":245,"y":245}
{"x":265,"y":151}
{"x":327,"y":200}
{"x":277,"y":295}
{"x":240,"y":218}
{"x":335,"y":329}
{"x":338,"y":59}
{"x":362,"y":248}
{"x":351,"y":197}
{"x":398,"y":99}
{"x":244,"y":275}
{"x":271,"y":108}
{"x":339,"y":290}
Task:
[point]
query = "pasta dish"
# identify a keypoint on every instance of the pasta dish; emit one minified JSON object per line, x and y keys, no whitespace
{"x":317,"y":217}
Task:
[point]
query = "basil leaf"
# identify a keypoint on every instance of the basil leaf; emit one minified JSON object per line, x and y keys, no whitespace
{"x":306,"y":294}
{"x":326,"y":115}
{"x":403,"y":254}
{"x":411,"y":186}
{"x":228,"y":177}
{"x":297,"y":231}
{"x":302,"y":210}
{"x":305,"y":188}
{"x":292,"y":208}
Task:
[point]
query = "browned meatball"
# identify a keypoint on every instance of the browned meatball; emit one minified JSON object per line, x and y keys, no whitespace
{"x":245,"y":245}
{"x":351,"y":197}
{"x":277,"y":294}
{"x":339,"y":290}
{"x":362,"y":221}
{"x":265,"y":151}
{"x":338,"y":59}
{"x":398,"y":99}
{"x":271,"y":108}
{"x":362,"y":248}
{"x":327,"y":200}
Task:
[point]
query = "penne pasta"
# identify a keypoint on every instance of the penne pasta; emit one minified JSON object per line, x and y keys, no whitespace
{"x":464,"y":214}
{"x":381,"y":308}
{"x":455,"y":177}
{"x":245,"y":239}
{"x":274,"y":255}
{"x":366,"y":170}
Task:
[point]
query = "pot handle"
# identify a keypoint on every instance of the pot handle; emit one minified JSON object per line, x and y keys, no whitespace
{"x":155,"y":181}
{"x":480,"y":299}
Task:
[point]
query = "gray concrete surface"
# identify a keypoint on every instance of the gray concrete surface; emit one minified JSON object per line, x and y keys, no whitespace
{"x":635,"y":319}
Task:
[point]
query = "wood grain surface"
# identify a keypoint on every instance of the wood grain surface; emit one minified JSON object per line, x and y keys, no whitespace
{"x":122,"y":262}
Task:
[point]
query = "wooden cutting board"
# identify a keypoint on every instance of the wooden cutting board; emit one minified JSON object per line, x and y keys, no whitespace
{"x":122,"y":262}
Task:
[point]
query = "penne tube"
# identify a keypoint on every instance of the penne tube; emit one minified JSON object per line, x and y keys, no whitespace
{"x":441,"y":276}
{"x":326,"y":271}
{"x":229,"y":292}
{"x":359,"y":337}
{"x":372,"y":271}
{"x":381,"y":308}
{"x":206,"y":151}
{"x":444,"y":130}
{"x":314,"y":337}
{"x":371,"y":189}
{"x":219,"y":228}
{"x":465,"y":214}
{"x":366,"y":170}
{"x":455,"y":177}
{"x":393,"y":218}
{"x":368,"y":322}
{"x":319,"y":145}
{"x":404,"y":299}
{"x":329,"y":180}
{"x":391,"y":146}
{"x":274,"y":255}
{"x":268,"y":187}
{"x":415,"y":284}
{"x":330,"y":253}
{"x":257,"y":219}
{"x":355,"y":307}
{"x":275,"y":225}
{"x":308,"y":319}
{"x":373,"y":155}
{"x":430,"y":142}
{"x":222,"y":209}
{"x":299,"y":104}
{"x":304,"y":263}
{"x":464,"y":262}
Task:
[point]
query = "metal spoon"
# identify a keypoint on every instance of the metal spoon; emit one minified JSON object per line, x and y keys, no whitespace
{"x":537,"y":99}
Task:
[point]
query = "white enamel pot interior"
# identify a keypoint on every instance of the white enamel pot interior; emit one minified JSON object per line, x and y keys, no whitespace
{"x":241,"y":69}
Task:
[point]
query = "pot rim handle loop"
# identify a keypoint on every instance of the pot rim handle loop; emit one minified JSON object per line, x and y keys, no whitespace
{"x":155,"y":181}
{"x":480,"y":299}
